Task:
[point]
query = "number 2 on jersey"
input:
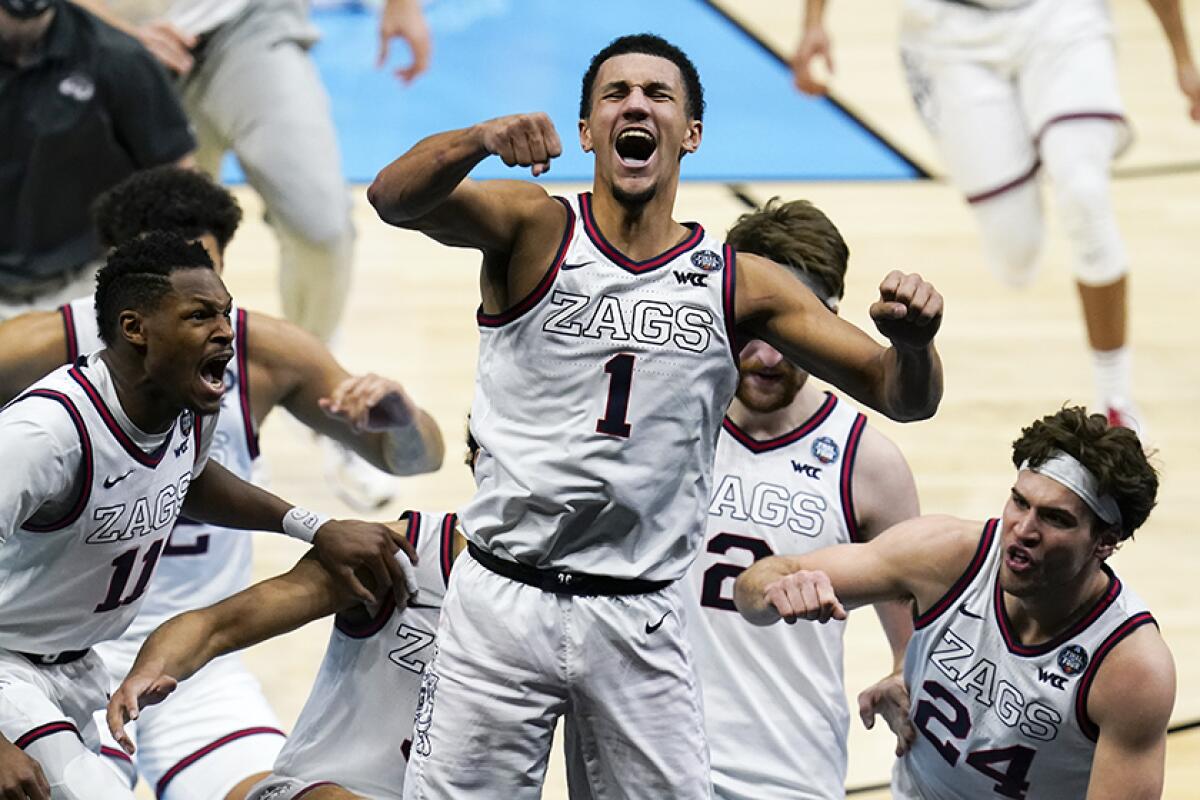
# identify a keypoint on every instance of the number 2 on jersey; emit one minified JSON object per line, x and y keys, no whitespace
{"x":715,"y":577}
{"x":616,"y":410}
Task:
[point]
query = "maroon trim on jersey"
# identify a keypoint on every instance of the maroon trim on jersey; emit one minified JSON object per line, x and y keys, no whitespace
{"x":620,"y":259}
{"x":197,"y":423}
{"x":964,"y":580}
{"x":448,"y":525}
{"x":1112,"y":116}
{"x":846,"y":488}
{"x":311,"y":787}
{"x":1006,"y":187}
{"x":413,"y":534}
{"x":1090,"y":729}
{"x":243,"y":378}
{"x":530,"y":300}
{"x":1014,"y":644}
{"x":368,"y":628}
{"x":68,"y":318}
{"x":42,"y":731}
{"x":86,"y":467}
{"x":114,"y":753}
{"x":150,"y":459}
{"x":187,"y":761}
{"x":807,"y":427}
{"x":728,"y":301}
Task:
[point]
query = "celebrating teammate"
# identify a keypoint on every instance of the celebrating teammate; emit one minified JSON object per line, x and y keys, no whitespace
{"x":1007,"y":87}
{"x":607,"y":360}
{"x":101,"y":458}
{"x":797,"y":469}
{"x":1034,"y":671}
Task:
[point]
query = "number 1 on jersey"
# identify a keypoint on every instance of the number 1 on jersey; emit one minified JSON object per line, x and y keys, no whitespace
{"x":614,"y":422}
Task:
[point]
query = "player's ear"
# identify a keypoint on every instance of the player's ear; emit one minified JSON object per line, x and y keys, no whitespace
{"x":585,"y":136}
{"x":131,"y":326}
{"x":691,"y":140}
{"x":1107,"y":542}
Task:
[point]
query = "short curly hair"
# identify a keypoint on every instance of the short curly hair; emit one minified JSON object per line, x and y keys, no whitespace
{"x":137,"y":276}
{"x":651,"y":45}
{"x":796,"y":234}
{"x":166,"y":198}
{"x":1113,"y":454}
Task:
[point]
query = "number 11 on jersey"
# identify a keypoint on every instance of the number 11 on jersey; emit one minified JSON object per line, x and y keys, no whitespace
{"x":616,"y":410}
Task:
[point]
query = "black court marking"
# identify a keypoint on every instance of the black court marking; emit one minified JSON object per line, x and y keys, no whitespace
{"x":739,"y":191}
{"x":878,"y":135}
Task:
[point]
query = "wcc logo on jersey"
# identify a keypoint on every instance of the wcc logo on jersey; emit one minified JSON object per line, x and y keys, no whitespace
{"x":807,"y":470}
{"x":825,"y":450}
{"x":1072,"y":659}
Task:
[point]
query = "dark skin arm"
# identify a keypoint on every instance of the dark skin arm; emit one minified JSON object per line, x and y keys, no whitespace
{"x":31,"y":346}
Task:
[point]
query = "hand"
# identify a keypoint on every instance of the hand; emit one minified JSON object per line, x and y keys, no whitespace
{"x":804,"y":595}
{"x":370,"y":403}
{"x":402,"y":19}
{"x":171,"y":46}
{"x":348,"y":545}
{"x":20,"y":775}
{"x":522,"y":140}
{"x":889,"y":697}
{"x":146,"y":686}
{"x":1189,"y":84}
{"x":909,"y":310}
{"x":814,"y":44}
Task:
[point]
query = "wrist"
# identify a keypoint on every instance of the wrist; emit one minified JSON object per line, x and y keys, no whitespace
{"x":302,"y":524}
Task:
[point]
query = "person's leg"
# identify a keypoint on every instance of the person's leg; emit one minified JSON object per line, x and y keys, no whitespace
{"x":492,"y":693}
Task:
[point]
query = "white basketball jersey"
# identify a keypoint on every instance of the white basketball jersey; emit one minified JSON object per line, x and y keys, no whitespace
{"x":994,"y":717}
{"x":598,"y":399}
{"x":774,"y":701}
{"x":357,"y":726}
{"x":80,"y":579}
{"x":201,"y":564}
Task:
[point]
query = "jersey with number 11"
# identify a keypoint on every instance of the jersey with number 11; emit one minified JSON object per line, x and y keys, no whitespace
{"x":598,"y":401}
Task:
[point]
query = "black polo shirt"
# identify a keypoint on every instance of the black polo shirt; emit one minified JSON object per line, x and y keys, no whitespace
{"x":93,"y":108}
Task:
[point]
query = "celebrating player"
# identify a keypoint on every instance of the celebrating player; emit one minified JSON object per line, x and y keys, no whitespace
{"x":607,"y":360}
{"x":1034,"y":671}
{"x":102,"y":456}
{"x":797,"y":469}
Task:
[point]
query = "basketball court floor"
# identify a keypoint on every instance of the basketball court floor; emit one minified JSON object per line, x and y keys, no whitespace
{"x":1009,"y":357}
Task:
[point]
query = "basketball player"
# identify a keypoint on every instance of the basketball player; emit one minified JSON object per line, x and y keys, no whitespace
{"x":218,"y":735}
{"x":607,"y":360}
{"x":1005,"y":88}
{"x":1034,"y":671}
{"x":797,"y":469}
{"x":101,"y":458}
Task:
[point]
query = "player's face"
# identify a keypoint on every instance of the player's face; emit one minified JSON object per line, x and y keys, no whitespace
{"x":767,"y":381}
{"x":188,"y":341}
{"x":639,"y":126}
{"x":1048,"y":536}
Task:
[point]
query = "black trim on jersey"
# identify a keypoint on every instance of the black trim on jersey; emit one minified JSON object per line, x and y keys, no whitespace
{"x":964,"y":580}
{"x":1090,"y":729}
{"x":150,"y":459}
{"x":68,"y":317}
{"x":729,"y":301}
{"x":449,"y":523}
{"x":86,"y":467}
{"x":846,"y":488}
{"x":413,"y":533}
{"x":806,"y":427}
{"x":243,"y":365}
{"x":485,"y":320}
{"x":1106,"y":599}
{"x":623,"y":261}
{"x":41,"y":731}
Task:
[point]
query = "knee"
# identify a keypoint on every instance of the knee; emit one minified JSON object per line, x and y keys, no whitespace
{"x":1089,"y":220}
{"x":1012,"y":233}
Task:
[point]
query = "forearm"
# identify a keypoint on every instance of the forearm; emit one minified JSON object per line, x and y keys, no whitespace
{"x":181,"y":646}
{"x":912,"y":382}
{"x":413,"y":449}
{"x":1171,"y":19}
{"x":895,"y":617}
{"x":423,"y":178}
{"x":218,"y":497}
{"x":749,"y":591}
{"x":814,"y":13}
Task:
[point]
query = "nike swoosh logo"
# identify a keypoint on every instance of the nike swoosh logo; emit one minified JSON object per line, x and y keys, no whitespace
{"x":580,"y":265}
{"x":652,"y":628}
{"x":963,"y":610}
{"x":422,"y":605}
{"x":110,"y":481}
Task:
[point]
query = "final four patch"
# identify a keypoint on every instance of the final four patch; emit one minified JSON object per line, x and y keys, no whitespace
{"x":707,"y":260}
{"x":185,"y":422}
{"x":825,"y":450}
{"x":1072,"y":659}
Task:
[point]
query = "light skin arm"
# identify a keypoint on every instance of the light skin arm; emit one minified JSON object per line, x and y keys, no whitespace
{"x":814,"y":44}
{"x":404,"y":19}
{"x":1131,"y":700}
{"x":31,"y":346}
{"x":1171,"y":19}
{"x":903,"y":381}
{"x":370,"y":414}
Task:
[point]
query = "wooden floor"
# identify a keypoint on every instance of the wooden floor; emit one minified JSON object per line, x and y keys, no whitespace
{"x":1009,"y":357}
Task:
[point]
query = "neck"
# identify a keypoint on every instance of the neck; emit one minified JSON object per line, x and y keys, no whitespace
{"x":642,"y":231}
{"x":140,"y":399}
{"x":769,"y":424}
{"x":1040,"y":617}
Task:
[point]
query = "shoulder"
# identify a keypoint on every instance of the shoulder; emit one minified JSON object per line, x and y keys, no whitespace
{"x":1134,"y":689}
{"x":44,"y":421}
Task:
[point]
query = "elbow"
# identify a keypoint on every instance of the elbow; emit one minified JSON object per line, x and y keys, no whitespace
{"x":388,"y":200}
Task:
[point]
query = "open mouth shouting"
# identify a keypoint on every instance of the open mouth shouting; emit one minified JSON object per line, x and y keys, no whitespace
{"x":211,"y":375}
{"x":635,"y":147}
{"x":1018,"y":559}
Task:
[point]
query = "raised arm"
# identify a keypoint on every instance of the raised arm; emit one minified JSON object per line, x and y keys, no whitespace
{"x":370,"y":414}
{"x":903,"y":381}
{"x":31,"y":346}
{"x":1171,"y":19}
{"x":181,"y":646}
{"x":814,"y":44}
{"x":1130,"y":702}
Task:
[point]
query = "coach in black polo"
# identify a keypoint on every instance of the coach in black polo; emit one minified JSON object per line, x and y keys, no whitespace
{"x":82,"y":106}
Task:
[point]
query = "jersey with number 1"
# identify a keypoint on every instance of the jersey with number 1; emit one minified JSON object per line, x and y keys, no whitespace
{"x":774,"y":699}
{"x":356,"y":728}
{"x":995,"y":717}
{"x":598,"y":400}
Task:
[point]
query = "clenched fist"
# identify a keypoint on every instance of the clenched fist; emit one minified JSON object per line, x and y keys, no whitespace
{"x":522,"y":140}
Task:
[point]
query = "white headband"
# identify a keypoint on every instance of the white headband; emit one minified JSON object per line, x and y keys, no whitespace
{"x":1067,"y":470}
{"x":814,"y":285}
